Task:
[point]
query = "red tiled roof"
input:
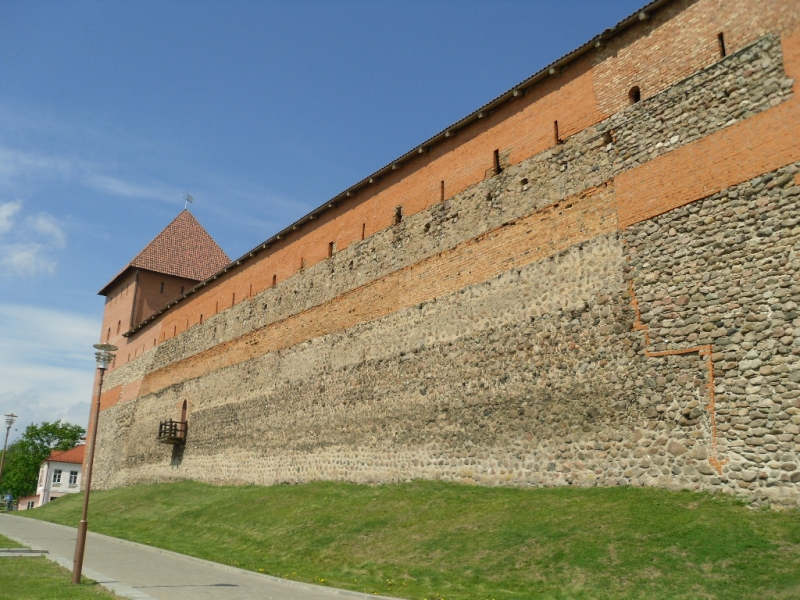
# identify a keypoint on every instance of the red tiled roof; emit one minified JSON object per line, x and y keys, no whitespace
{"x":74,"y":455}
{"x":183,"y":249}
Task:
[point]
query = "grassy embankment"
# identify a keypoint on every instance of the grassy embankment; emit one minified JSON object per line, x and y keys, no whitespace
{"x":435,"y":540}
{"x":8,"y":543}
{"x":36,"y":578}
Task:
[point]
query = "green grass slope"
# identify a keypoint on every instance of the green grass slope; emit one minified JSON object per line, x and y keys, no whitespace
{"x":8,"y":543}
{"x":36,"y":578}
{"x":434,"y":540}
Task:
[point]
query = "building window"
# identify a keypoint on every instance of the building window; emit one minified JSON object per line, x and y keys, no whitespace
{"x":31,"y":504}
{"x":73,"y":478}
{"x":57,"y":477}
{"x":162,"y":287}
{"x":635,"y":94}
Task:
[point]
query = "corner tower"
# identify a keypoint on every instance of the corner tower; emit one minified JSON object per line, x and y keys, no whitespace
{"x":178,"y":258}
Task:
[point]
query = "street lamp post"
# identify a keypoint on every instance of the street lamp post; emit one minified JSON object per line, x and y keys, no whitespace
{"x":104,"y":356}
{"x":10,"y":418}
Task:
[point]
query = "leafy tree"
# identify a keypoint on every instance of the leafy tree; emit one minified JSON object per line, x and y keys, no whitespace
{"x":24,"y":456}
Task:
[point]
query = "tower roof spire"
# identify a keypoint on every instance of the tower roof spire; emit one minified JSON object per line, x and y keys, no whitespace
{"x":183,"y":249}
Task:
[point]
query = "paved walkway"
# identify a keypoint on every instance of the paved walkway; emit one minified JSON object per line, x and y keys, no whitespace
{"x":137,"y":571}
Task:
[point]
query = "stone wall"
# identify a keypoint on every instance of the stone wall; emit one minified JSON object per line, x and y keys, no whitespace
{"x":725,"y":273}
{"x":537,"y":377}
{"x":645,"y":130}
{"x":515,"y":334}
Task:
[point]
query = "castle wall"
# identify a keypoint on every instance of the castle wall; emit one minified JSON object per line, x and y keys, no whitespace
{"x":619,"y":308}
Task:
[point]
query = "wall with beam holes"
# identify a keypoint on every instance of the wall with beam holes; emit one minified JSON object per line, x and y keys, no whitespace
{"x":615,"y":306}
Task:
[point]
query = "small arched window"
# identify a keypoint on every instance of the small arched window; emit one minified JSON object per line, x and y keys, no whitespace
{"x":635,"y":94}
{"x":108,"y":335}
{"x":119,"y":324}
{"x":184,"y":408}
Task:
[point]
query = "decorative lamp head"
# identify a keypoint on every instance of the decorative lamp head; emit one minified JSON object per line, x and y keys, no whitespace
{"x":105,"y":355}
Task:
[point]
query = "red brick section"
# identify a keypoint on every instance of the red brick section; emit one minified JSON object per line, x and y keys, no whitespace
{"x":762,"y":143}
{"x":680,"y":39}
{"x":111,"y":396}
{"x":154,"y":290}
{"x":117,"y":315}
{"x":532,"y":238}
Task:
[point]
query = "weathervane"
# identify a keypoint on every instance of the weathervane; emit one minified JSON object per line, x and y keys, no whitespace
{"x":187,"y":200}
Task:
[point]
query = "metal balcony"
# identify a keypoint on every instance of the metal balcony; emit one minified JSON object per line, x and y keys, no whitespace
{"x":172,"y":432}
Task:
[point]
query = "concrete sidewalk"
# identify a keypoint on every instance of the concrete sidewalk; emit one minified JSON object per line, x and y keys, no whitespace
{"x":142,"y":572}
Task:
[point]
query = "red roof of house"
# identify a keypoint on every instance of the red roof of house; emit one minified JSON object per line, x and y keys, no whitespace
{"x":73,"y":455}
{"x":183,"y":249}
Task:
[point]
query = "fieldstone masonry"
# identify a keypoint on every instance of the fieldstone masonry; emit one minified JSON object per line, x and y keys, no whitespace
{"x":724,"y":272}
{"x":666,"y":353}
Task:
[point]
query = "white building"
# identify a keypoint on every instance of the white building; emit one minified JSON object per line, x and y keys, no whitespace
{"x":59,"y":474}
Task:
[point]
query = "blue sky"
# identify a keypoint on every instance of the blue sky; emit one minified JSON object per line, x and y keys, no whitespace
{"x":111,"y":110}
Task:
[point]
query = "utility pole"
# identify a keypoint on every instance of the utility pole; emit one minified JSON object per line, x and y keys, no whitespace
{"x":10,"y":418}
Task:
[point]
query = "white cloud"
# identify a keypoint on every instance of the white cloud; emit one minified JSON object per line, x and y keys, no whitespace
{"x":127,"y":189}
{"x":7,"y":212}
{"x":19,"y":166}
{"x":27,"y":245}
{"x":25,"y":260}
{"x":46,"y":364}
{"x":46,"y":225}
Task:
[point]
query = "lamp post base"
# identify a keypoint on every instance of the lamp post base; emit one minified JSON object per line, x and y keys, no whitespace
{"x":80,"y":544}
